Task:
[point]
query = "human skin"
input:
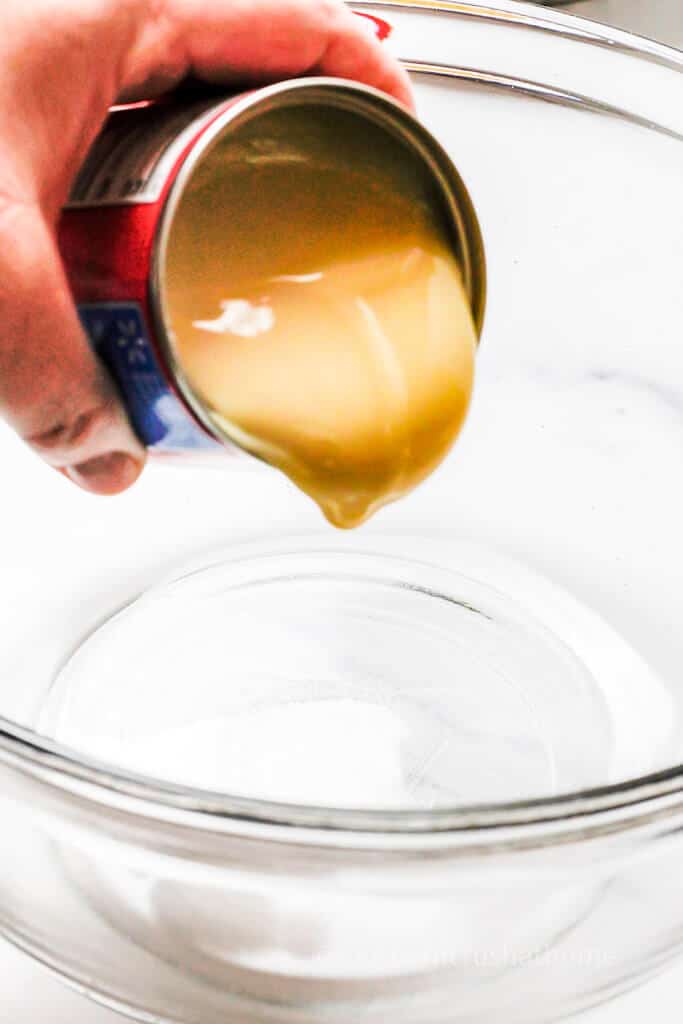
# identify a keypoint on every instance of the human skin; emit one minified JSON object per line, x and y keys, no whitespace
{"x":63,"y":63}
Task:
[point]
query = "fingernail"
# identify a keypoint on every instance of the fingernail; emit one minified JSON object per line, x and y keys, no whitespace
{"x":106,"y":474}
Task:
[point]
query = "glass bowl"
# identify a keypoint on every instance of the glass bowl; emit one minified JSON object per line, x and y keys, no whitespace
{"x":255,"y":771}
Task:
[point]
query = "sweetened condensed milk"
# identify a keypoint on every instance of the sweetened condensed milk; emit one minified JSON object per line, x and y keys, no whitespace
{"x":294,"y":273}
{"x":317,"y":309}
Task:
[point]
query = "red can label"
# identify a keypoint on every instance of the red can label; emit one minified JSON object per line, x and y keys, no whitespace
{"x":107,"y":238}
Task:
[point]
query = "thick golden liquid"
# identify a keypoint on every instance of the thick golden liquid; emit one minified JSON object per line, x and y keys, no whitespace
{"x":316,"y":308}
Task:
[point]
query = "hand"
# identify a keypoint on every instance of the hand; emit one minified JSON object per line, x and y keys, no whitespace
{"x":62,"y":64}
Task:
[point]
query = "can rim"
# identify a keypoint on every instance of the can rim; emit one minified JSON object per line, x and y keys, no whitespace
{"x":388,"y":114}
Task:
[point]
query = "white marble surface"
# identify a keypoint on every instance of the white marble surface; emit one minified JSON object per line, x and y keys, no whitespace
{"x":27,"y":994}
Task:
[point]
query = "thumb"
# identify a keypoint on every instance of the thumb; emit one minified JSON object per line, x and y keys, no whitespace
{"x":53,"y":390}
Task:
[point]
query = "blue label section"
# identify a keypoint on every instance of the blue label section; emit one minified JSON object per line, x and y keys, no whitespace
{"x":118,"y":333}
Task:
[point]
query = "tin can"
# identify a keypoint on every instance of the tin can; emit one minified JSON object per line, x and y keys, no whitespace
{"x":114,"y":229}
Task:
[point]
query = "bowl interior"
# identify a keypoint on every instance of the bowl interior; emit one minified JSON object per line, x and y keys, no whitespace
{"x":335,"y":679}
{"x":340,"y":678}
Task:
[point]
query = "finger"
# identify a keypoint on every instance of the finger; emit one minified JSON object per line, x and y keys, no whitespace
{"x":355,"y":52}
{"x":263,"y":40}
{"x":52,"y":389}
